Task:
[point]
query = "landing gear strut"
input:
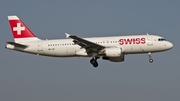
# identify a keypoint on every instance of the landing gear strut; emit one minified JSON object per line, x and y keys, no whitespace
{"x":150,"y":57}
{"x":94,"y":62}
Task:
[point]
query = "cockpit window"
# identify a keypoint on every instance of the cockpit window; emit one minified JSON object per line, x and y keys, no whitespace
{"x":161,"y":39}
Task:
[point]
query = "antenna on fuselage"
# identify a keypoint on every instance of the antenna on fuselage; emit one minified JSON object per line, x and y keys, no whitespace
{"x":147,"y":33}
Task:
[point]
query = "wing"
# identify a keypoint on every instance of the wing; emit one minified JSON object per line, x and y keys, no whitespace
{"x":88,"y":45}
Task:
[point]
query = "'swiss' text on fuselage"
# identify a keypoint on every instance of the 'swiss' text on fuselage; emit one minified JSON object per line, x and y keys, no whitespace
{"x":132,"y":41}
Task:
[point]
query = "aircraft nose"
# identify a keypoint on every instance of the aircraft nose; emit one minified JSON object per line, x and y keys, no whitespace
{"x":170,"y":45}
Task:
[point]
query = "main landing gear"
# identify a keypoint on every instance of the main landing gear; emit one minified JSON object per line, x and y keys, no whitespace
{"x":150,"y":57}
{"x":94,"y":62}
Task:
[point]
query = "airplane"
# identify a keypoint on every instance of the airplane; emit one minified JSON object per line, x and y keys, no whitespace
{"x":112,"y":48}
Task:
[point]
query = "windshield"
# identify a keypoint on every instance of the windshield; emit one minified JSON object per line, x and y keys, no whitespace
{"x":161,"y":39}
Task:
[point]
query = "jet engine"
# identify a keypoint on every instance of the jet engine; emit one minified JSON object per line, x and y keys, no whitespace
{"x":113,"y":52}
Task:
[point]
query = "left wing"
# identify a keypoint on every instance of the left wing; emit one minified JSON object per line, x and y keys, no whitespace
{"x":17,"y":44}
{"x":88,"y":45}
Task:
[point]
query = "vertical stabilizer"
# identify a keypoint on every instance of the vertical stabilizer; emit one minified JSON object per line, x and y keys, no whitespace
{"x":20,"y":31}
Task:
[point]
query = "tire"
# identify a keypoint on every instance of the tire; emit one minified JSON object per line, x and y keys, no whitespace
{"x":151,"y":60}
{"x":95,"y":64}
{"x":92,"y":61}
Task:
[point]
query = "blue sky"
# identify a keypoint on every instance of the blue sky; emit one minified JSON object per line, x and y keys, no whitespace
{"x":36,"y":78}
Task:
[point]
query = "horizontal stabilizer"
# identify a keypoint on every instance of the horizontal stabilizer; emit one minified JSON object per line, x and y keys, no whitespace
{"x":17,"y":44}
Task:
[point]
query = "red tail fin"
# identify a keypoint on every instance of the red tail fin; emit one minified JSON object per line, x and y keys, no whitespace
{"x":19,"y":29}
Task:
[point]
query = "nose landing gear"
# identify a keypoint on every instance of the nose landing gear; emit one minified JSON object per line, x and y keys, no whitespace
{"x":151,"y":60}
{"x":94,"y":62}
{"x":150,"y":57}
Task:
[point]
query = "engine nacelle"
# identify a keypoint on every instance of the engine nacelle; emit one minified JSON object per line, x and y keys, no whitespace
{"x":115,"y":59}
{"x":113,"y":52}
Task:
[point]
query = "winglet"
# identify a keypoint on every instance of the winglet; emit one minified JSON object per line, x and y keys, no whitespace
{"x":67,"y":35}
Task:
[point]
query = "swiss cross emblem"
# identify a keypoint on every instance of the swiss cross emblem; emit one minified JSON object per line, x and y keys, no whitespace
{"x":18,"y":28}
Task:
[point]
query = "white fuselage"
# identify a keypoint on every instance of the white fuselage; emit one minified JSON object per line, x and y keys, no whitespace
{"x":67,"y":48}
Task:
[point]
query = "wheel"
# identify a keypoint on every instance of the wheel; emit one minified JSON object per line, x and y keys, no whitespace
{"x":151,"y":60}
{"x":95,"y":64}
{"x":92,"y":61}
